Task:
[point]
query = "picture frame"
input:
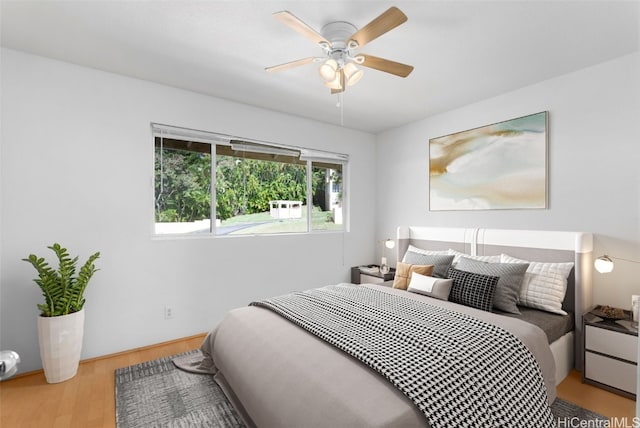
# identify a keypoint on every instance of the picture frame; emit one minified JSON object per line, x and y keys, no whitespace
{"x":493,"y":167}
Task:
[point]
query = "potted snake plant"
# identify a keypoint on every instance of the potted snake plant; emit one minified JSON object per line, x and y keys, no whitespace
{"x":61,"y":320}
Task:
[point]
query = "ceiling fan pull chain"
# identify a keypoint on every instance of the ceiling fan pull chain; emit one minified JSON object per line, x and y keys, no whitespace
{"x":341,"y":104}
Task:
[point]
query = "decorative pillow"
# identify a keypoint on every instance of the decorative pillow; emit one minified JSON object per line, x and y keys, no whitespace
{"x":457,"y":254}
{"x":430,"y":286}
{"x":429,"y":252}
{"x":403,"y":273}
{"x":508,"y":289}
{"x":472,"y":289}
{"x":544,"y":285}
{"x":440,"y":262}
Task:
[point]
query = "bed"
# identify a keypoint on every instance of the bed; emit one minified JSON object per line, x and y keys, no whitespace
{"x":278,"y":374}
{"x":543,"y":246}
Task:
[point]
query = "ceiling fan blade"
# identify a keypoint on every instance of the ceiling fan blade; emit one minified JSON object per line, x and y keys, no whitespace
{"x":295,"y":23}
{"x":291,"y":64}
{"x":388,"y":66}
{"x":376,"y":28}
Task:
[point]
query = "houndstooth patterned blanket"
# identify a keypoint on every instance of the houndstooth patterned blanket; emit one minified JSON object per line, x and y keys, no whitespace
{"x":458,"y":370}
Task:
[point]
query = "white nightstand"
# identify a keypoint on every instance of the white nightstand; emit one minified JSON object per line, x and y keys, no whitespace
{"x":610,"y":354}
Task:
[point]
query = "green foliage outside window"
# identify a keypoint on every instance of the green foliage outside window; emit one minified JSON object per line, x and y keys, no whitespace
{"x":182,"y":186}
{"x":243,"y":186}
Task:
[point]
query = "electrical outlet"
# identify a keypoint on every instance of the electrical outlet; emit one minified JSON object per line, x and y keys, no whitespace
{"x":168,"y":312}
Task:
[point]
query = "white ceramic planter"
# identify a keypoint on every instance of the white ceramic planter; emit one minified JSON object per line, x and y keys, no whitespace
{"x":60,"y":345}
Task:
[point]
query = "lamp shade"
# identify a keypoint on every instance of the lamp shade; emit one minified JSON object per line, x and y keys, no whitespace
{"x":352,"y":74}
{"x":328,"y":70}
{"x":335,"y":83}
{"x":390,"y":243}
{"x":603,"y":264}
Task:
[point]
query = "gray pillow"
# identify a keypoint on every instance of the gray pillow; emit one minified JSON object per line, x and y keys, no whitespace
{"x":440,"y":262}
{"x":508,"y":288}
{"x":472,"y":289}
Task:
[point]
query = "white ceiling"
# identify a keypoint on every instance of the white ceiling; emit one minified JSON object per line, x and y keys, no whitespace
{"x":462,"y":51}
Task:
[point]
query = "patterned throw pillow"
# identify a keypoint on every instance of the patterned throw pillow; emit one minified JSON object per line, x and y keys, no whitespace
{"x":472,"y":289}
{"x":508,"y":288}
{"x":440,"y":262}
{"x":403,"y":274}
{"x":544,"y":285}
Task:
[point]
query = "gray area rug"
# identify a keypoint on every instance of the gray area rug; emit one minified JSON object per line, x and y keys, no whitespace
{"x":565,"y":413}
{"x":157,"y":394}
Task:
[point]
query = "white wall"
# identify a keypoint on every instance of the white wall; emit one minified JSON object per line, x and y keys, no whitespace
{"x":594,"y":164}
{"x":77,"y":168}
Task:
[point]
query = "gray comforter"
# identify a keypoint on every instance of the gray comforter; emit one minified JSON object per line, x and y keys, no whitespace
{"x":282,"y":376}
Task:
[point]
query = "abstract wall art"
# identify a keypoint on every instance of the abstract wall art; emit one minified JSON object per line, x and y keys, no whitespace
{"x":499,"y":166}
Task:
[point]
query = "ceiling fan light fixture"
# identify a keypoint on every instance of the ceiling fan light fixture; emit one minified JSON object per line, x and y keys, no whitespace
{"x":328,"y":70}
{"x":335,"y":83}
{"x":352,"y":74}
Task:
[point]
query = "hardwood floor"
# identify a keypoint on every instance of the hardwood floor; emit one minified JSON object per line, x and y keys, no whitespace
{"x":595,"y":399}
{"x":88,"y":399}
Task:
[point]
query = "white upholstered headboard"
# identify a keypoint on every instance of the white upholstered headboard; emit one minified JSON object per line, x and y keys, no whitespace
{"x":535,"y":245}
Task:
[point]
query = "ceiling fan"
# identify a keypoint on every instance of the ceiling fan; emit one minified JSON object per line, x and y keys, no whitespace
{"x":339,"y":40}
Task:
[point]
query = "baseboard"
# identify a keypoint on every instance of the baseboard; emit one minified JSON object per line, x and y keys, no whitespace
{"x":118,"y":354}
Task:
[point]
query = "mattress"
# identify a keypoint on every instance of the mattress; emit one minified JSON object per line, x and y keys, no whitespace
{"x":554,"y":325}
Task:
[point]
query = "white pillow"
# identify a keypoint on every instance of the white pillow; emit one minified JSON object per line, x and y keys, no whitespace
{"x":430,"y":286}
{"x":457,"y":255}
{"x":544,"y":285}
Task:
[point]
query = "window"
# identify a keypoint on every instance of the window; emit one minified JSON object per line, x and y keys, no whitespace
{"x":182,"y":186}
{"x":247,"y":187}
